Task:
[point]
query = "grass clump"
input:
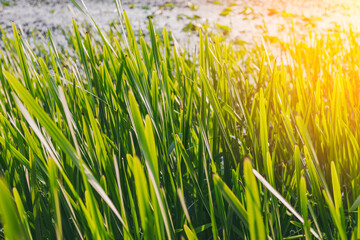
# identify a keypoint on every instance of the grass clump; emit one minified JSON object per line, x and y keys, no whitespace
{"x":217,"y":3}
{"x":5,"y":3}
{"x":193,"y":6}
{"x":130,"y":139}
{"x":226,"y":11}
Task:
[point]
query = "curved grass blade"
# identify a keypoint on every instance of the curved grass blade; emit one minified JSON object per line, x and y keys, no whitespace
{"x":282,"y":200}
{"x":9,"y":215}
{"x":255,"y":218}
{"x":57,"y":136}
{"x":232,"y":200}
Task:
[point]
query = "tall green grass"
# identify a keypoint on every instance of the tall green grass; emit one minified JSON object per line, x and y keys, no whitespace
{"x":124,"y":138}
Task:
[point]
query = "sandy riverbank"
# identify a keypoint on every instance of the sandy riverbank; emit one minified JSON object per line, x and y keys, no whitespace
{"x":243,"y":20}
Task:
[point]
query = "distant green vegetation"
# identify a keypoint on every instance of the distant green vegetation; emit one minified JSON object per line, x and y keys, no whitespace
{"x":217,"y":2}
{"x":5,"y":3}
{"x":115,"y":137}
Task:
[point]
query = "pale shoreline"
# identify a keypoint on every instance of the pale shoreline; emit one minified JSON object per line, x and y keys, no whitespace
{"x":248,"y":19}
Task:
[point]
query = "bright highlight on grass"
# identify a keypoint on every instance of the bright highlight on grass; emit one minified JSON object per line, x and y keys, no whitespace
{"x":121,"y":138}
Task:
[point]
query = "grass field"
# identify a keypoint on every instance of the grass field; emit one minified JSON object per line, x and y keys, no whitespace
{"x":116,"y":137}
